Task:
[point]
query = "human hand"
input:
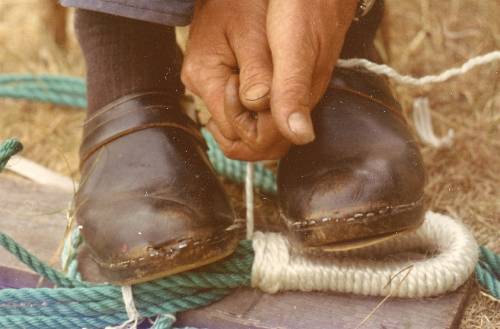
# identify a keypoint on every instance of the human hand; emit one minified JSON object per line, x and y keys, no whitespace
{"x":259,"y":137}
{"x":305,"y":38}
{"x":228,"y":36}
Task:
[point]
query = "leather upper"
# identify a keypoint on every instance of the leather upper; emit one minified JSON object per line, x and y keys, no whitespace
{"x":146,"y":180}
{"x":364,"y":158}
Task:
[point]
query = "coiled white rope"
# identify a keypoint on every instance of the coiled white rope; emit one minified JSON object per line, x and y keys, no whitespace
{"x":447,"y":254}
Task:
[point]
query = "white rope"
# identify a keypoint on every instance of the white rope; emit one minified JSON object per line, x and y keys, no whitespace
{"x":132,"y":313}
{"x":249,"y":200}
{"x":450,"y":256}
{"x":382,"y":69}
{"x":423,"y":124}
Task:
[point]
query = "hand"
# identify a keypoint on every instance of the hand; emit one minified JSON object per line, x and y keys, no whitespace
{"x":228,"y":36}
{"x":259,"y":137}
{"x":305,"y":38}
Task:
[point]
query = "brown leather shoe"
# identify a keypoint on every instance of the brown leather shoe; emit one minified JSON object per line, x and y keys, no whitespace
{"x":149,"y":203}
{"x":362,"y":179}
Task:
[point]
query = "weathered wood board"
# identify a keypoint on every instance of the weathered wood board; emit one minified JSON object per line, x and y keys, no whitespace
{"x":29,"y":214}
{"x":34,"y":215}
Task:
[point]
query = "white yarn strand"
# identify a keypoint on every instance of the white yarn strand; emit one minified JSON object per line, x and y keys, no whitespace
{"x":132,"y":313}
{"x":277,"y":267}
{"x":423,"y":125}
{"x":382,"y":69}
{"x":249,"y":200}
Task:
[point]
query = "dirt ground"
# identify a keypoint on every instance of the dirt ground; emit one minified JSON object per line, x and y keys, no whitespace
{"x":418,"y":37}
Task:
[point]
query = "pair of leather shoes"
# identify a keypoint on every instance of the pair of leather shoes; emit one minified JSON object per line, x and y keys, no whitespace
{"x":150,"y":204}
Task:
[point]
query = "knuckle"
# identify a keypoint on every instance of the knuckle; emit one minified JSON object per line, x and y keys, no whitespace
{"x":295,"y":82}
{"x":189,"y":72}
{"x":295,"y":97}
{"x":254,"y":72}
{"x":261,"y":144}
{"x":230,"y":150}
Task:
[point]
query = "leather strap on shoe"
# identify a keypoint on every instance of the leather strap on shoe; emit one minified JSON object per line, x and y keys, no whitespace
{"x":133,"y":113}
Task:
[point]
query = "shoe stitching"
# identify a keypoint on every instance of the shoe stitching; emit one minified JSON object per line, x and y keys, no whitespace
{"x":156,"y":253}
{"x":381,"y":211}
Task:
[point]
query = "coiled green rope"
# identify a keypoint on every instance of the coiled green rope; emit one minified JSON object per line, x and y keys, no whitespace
{"x":79,"y":304}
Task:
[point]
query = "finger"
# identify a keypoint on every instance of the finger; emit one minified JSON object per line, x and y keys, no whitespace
{"x":240,"y":118}
{"x":257,"y":130}
{"x":207,"y":80}
{"x":294,"y":64}
{"x":252,"y":53}
{"x":241,"y":151}
{"x":234,"y":149}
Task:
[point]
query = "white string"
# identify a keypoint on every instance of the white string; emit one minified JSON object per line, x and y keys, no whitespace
{"x":450,"y":256}
{"x":423,"y":124}
{"x":132,"y":313}
{"x":382,"y":69}
{"x":249,"y":200}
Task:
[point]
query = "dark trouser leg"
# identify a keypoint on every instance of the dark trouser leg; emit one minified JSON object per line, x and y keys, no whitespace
{"x":126,"y":56}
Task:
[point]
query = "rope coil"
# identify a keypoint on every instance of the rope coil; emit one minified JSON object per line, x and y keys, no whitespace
{"x":368,"y":271}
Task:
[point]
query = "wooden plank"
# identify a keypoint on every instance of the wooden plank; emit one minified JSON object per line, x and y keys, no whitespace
{"x":248,"y":308}
{"x":245,"y":308}
{"x":33,"y":215}
{"x":14,"y":278}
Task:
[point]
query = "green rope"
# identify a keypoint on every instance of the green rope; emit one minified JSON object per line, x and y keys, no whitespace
{"x":80,"y":304}
{"x":60,"y":90}
{"x":7,"y":149}
{"x":488,"y":271}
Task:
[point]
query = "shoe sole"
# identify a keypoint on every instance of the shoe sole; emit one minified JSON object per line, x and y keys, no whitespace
{"x":353,"y":232}
{"x":172,"y":259}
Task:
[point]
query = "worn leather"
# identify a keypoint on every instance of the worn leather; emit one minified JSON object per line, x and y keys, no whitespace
{"x":149,"y":201}
{"x":362,"y":177}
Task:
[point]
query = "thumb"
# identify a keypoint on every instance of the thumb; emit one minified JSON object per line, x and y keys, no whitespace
{"x":255,"y":80}
{"x":291,"y":106}
{"x":255,"y":67}
{"x":291,"y":101}
{"x":294,"y":65}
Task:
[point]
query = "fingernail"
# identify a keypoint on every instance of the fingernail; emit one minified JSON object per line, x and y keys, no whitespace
{"x":256,"y":92}
{"x":300,"y":124}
